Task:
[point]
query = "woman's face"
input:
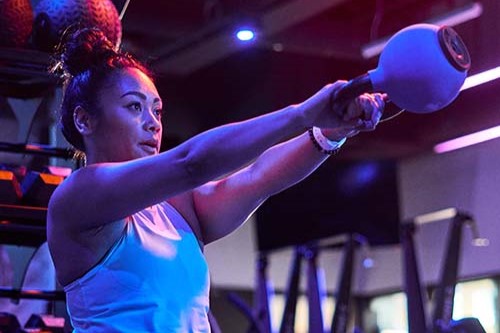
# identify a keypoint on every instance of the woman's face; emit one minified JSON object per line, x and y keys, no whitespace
{"x":128,"y":125}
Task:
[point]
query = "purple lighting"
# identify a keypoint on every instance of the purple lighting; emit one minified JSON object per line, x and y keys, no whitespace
{"x":477,"y":137}
{"x":480,"y":78}
{"x":468,"y":140}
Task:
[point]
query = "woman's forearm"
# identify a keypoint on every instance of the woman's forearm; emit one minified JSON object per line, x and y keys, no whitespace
{"x":226,"y":148}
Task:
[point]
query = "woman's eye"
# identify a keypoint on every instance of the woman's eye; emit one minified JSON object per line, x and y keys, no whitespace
{"x":158,"y":112}
{"x":135,"y":106}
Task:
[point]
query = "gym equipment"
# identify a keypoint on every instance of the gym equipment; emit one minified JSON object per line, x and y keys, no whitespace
{"x":16,"y":22}
{"x":314,"y":289}
{"x":443,"y":305}
{"x":10,"y":189}
{"x":38,"y":187}
{"x":344,"y":287}
{"x":422,"y":69}
{"x":46,"y":323}
{"x":53,"y":17}
{"x":22,"y":225}
{"x":341,"y":313}
{"x":466,"y":325}
{"x":261,"y":303}
{"x":259,"y":317}
{"x":38,"y":149}
{"x":292,"y":293}
{"x":9,"y":323}
{"x":33,"y":294}
{"x":309,"y":252}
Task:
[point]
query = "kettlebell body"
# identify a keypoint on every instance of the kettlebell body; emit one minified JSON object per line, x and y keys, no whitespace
{"x":422,"y":68}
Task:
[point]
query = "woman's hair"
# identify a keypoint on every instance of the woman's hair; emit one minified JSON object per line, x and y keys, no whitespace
{"x":85,"y":60}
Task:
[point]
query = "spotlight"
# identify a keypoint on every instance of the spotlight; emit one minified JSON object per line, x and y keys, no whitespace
{"x":245,"y":34}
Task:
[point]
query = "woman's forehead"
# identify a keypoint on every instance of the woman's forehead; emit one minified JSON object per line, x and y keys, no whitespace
{"x":133,"y":79}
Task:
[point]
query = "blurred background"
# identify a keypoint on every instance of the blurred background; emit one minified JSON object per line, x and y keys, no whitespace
{"x":207,"y":77}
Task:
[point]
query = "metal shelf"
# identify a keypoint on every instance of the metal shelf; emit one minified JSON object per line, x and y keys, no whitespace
{"x":23,"y":225}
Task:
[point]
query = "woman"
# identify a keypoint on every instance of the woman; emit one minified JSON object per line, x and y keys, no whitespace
{"x":126,"y":232}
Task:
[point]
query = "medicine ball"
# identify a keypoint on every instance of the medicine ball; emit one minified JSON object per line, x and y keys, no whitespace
{"x":16,"y":22}
{"x":53,"y":17}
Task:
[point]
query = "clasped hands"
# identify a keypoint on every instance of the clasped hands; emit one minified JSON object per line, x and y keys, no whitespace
{"x":337,"y":122}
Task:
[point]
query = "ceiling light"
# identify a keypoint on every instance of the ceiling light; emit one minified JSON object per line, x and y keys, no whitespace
{"x":453,"y":18}
{"x":477,"y":137}
{"x":443,"y":214}
{"x":468,"y":140}
{"x":480,"y":78}
{"x":245,"y":35}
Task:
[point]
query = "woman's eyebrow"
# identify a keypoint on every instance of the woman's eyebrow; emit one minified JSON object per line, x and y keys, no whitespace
{"x":140,"y":95}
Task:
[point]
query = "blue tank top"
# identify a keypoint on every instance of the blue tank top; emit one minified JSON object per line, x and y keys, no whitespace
{"x":154,"y":279}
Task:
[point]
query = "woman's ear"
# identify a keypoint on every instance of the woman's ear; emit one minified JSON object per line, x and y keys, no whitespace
{"x":83,"y":120}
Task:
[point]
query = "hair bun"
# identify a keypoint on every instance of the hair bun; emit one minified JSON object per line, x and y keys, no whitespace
{"x":82,"y":50}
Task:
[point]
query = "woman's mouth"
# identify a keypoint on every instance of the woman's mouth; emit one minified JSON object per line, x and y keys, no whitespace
{"x":149,"y":146}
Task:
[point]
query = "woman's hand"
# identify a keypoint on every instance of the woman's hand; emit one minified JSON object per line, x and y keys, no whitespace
{"x":362,"y":114}
{"x":366,"y":111}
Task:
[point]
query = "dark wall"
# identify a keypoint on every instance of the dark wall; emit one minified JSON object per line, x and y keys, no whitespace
{"x":340,"y":197}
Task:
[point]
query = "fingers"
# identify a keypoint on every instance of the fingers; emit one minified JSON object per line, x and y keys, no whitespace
{"x":363,"y":113}
{"x":338,"y":84}
{"x":332,"y":88}
{"x":323,"y":96}
{"x":367,"y":110}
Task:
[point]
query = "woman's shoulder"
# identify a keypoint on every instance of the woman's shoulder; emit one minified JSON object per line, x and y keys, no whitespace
{"x":72,"y":193}
{"x":78,"y":183}
{"x":64,"y":190}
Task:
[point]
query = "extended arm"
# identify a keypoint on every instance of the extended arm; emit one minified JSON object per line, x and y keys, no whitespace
{"x":116,"y":190}
{"x":223,"y":205}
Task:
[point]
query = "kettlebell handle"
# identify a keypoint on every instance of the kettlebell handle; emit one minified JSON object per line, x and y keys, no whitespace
{"x":352,"y":89}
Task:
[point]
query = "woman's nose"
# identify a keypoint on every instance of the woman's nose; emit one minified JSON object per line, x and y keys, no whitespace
{"x":152,"y":123}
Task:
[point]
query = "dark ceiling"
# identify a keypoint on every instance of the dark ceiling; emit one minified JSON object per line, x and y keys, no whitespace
{"x":207,"y":79}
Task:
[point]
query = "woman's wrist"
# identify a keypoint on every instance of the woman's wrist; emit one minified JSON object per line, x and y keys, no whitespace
{"x":323,"y":143}
{"x":298,"y":116}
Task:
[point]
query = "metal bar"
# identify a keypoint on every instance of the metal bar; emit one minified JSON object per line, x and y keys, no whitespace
{"x":417,"y":322}
{"x":288,"y":320}
{"x":262,"y":309}
{"x":313,"y":291}
{"x":23,"y":214}
{"x":33,"y":294}
{"x":341,"y":314}
{"x":37,"y":149}
{"x":445,"y":293}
